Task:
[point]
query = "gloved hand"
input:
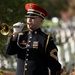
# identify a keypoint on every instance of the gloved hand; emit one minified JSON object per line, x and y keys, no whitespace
{"x":17,"y":30}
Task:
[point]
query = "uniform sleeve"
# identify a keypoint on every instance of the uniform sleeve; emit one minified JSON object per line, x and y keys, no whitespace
{"x":11,"y":47}
{"x":52,"y":57}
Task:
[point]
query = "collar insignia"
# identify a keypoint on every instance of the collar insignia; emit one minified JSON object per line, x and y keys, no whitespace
{"x":30,"y":6}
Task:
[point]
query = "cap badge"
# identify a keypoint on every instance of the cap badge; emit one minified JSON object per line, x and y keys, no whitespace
{"x":30,"y":6}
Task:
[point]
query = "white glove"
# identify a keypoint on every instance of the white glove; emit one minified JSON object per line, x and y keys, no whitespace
{"x":17,"y":30}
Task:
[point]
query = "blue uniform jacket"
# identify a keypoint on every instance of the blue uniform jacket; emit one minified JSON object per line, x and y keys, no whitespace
{"x":37,"y":50}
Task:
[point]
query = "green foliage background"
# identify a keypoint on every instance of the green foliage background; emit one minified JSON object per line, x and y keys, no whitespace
{"x":12,"y":11}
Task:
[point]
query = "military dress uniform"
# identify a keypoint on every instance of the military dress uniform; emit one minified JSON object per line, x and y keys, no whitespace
{"x":38,"y":52}
{"x":35,"y":49}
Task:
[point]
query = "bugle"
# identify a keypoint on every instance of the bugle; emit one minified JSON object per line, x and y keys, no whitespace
{"x":6,"y":29}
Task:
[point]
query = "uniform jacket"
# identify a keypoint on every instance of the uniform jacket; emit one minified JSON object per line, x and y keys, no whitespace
{"x":37,"y":50}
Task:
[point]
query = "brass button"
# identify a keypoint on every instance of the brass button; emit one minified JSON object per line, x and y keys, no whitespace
{"x":29,"y":41}
{"x":25,"y":69}
{"x":26,"y":59}
{"x":27,"y":54}
{"x":27,"y":49}
{"x":28,"y":45}
{"x":25,"y":64}
{"x":35,"y":32}
{"x":30,"y":37}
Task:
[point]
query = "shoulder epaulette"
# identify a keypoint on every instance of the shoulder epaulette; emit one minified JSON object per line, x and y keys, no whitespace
{"x":46,"y":33}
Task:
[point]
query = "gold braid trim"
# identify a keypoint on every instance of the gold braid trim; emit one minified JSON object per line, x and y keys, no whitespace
{"x":47,"y":42}
{"x":37,"y":11}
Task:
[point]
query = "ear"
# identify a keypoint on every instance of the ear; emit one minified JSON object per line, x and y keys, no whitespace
{"x":41,"y":20}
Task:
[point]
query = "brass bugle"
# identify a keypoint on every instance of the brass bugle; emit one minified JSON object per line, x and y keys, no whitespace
{"x":6,"y":29}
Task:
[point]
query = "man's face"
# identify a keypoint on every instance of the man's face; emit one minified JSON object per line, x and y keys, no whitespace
{"x":34,"y":22}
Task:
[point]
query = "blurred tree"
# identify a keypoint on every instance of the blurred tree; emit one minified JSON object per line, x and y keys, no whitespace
{"x":13,"y":10}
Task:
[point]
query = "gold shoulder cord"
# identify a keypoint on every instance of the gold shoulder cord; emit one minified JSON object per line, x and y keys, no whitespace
{"x":21,"y":33}
{"x":47,"y":42}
